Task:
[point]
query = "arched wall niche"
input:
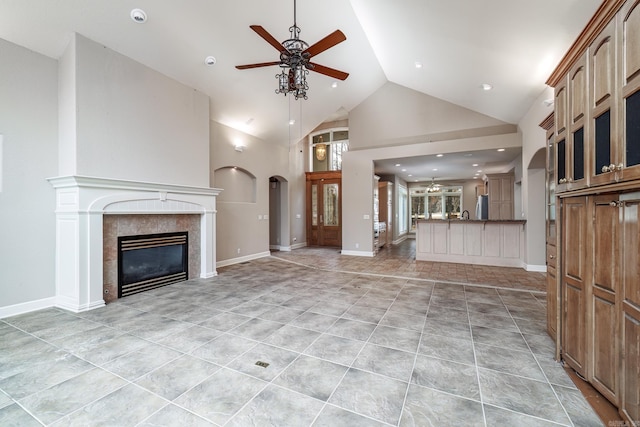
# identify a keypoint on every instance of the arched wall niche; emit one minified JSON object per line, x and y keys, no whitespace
{"x":239,"y":184}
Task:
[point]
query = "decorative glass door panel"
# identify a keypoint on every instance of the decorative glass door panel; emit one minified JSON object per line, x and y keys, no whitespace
{"x":324,"y":208}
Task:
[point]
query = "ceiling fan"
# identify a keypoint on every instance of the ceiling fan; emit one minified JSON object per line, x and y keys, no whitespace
{"x":295,"y":55}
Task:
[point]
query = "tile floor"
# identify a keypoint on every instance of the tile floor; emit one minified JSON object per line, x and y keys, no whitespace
{"x":343,"y":349}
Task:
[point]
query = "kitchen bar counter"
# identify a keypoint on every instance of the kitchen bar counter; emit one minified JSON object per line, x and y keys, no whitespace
{"x":484,"y":242}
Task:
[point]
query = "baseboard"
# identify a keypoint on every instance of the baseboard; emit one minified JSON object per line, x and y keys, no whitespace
{"x":26,"y":307}
{"x":232,"y":261}
{"x":535,"y":268}
{"x":299,"y":245}
{"x":400,"y":240}
{"x":280,"y":248}
{"x":357,"y":253}
{"x":209,"y":275}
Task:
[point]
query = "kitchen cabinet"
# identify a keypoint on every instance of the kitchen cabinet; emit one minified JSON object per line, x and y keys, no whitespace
{"x":630,"y":323}
{"x":500,"y":191}
{"x":604,"y":293}
{"x":553,"y":294}
{"x":597,"y":175}
{"x":576,"y":264}
{"x":385,"y":201}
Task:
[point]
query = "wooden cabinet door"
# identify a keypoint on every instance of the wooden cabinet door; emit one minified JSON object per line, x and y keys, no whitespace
{"x":575,"y":261}
{"x":552,"y":303}
{"x":628,"y":158}
{"x":604,"y":308}
{"x":576,"y":176}
{"x":630,"y":323}
{"x":603,"y":107}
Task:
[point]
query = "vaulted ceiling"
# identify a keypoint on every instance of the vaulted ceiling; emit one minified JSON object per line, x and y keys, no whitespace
{"x":512,"y":45}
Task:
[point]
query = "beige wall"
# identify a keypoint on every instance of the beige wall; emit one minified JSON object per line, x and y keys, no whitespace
{"x":396,"y":115}
{"x":533,"y":180}
{"x":243,"y":225}
{"x":128,"y":121}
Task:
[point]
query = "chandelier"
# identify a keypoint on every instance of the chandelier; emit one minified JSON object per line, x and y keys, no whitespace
{"x":294,"y":61}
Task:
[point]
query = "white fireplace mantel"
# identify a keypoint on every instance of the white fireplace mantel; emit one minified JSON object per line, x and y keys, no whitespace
{"x":81,"y":203}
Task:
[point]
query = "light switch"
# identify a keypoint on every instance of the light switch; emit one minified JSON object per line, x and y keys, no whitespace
{"x":365,"y":217}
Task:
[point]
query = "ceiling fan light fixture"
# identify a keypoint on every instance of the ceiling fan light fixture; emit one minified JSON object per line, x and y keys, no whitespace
{"x":295,"y":55}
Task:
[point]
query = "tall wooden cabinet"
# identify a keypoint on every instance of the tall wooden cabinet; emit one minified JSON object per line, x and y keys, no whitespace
{"x":596,"y":175}
{"x":385,"y":204}
{"x":500,"y":191}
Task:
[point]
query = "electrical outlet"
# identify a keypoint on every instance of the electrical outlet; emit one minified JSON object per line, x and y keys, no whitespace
{"x":238,"y":250}
{"x":357,"y":245}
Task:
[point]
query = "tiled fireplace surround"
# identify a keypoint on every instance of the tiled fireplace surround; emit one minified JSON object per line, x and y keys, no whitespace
{"x":92,"y":212}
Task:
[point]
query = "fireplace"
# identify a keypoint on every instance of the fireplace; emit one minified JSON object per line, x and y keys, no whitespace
{"x":150,"y":261}
{"x":85,"y":270}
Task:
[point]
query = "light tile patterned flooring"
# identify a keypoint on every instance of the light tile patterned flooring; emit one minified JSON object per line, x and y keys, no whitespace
{"x":344,"y":349}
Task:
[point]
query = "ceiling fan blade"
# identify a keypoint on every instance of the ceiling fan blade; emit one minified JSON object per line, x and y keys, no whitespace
{"x":331,"y":72}
{"x":261,"y":64}
{"x":268,"y":37}
{"x":331,"y":40}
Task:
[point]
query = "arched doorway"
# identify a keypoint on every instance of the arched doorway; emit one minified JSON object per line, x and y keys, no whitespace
{"x":279,"y":214}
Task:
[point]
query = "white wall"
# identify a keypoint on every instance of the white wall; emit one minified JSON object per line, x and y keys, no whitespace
{"x":133,"y":122}
{"x":29,"y":125}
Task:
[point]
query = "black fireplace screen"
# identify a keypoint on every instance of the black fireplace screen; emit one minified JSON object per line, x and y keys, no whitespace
{"x":150,"y":261}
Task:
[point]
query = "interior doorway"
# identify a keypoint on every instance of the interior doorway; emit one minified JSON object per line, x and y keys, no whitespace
{"x":278,"y":214}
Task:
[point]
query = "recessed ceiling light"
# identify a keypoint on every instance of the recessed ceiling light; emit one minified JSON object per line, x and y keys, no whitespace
{"x":479,"y":170}
{"x":418,"y":64}
{"x":138,"y":16}
{"x":435,"y":169}
{"x":334,"y":85}
{"x":500,"y":149}
{"x":210,"y":60}
{"x":475,"y":165}
{"x":410,"y":175}
{"x":439,"y":155}
{"x":397,"y":164}
{"x":486,"y":86}
{"x":404,"y":170}
{"x":292,"y":122}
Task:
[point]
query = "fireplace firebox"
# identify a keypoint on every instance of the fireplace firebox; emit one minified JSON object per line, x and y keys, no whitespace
{"x":150,"y":261}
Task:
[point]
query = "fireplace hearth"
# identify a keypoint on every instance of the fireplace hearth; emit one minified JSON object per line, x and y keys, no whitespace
{"x":150,"y":261}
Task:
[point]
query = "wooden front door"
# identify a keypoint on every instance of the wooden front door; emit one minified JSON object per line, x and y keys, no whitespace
{"x":324,"y":208}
